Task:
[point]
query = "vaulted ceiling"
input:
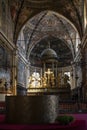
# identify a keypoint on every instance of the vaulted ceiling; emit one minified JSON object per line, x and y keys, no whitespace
{"x":23,"y":10}
{"x":63,"y":52}
{"x":49,"y":27}
{"x":54,"y":21}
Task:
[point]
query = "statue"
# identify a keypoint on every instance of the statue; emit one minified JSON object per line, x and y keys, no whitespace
{"x":2,"y":83}
{"x":49,"y":75}
{"x":66,"y":81}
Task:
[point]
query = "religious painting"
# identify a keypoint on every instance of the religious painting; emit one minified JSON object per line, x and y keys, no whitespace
{"x":5,"y":69}
{"x":4,"y":80}
{"x":5,"y":58}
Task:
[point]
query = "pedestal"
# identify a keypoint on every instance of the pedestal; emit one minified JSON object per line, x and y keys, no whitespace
{"x":31,"y":109}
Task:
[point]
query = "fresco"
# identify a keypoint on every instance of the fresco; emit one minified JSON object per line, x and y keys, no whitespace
{"x":5,"y":69}
{"x":5,"y":58}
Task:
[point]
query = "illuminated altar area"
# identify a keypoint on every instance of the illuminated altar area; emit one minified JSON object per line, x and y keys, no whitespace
{"x":48,"y":78}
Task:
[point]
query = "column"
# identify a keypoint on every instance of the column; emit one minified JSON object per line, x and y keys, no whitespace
{"x":44,"y":68}
{"x":27,"y":76}
{"x":14,"y":73}
{"x":41,"y":77}
{"x":56,"y":76}
{"x":53,"y":67}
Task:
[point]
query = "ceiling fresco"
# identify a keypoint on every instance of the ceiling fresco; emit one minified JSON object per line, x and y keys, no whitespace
{"x":23,"y":10}
{"x":43,"y":21}
{"x":48,"y":24}
{"x":47,"y":27}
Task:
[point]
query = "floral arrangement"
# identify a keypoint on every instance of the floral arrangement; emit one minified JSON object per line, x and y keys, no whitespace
{"x":64,"y":119}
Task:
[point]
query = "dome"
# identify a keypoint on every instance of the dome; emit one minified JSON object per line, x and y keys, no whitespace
{"x":48,"y":54}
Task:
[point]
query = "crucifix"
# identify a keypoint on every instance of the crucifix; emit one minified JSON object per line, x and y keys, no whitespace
{"x":48,"y":72}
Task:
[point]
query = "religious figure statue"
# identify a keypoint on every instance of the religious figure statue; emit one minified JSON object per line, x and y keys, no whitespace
{"x":49,"y":76}
{"x":66,"y":80}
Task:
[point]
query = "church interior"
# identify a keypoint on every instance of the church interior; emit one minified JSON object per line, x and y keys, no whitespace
{"x":43,"y":55}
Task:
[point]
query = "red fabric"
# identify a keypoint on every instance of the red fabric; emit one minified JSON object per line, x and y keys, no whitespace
{"x":76,"y":125}
{"x":2,"y":118}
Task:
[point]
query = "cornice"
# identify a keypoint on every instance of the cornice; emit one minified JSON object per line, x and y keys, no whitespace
{"x":7,"y":43}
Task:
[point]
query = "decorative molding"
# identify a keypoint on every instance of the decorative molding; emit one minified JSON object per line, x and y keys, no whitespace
{"x":77,"y":56}
{"x":84,"y":40}
{"x":7,"y":42}
{"x":24,"y":60}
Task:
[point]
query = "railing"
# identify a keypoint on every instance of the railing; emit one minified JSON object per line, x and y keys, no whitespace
{"x":72,"y":107}
{"x":64,"y":107}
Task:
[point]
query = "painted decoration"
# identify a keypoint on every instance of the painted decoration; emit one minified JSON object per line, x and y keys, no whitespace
{"x":5,"y":69}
